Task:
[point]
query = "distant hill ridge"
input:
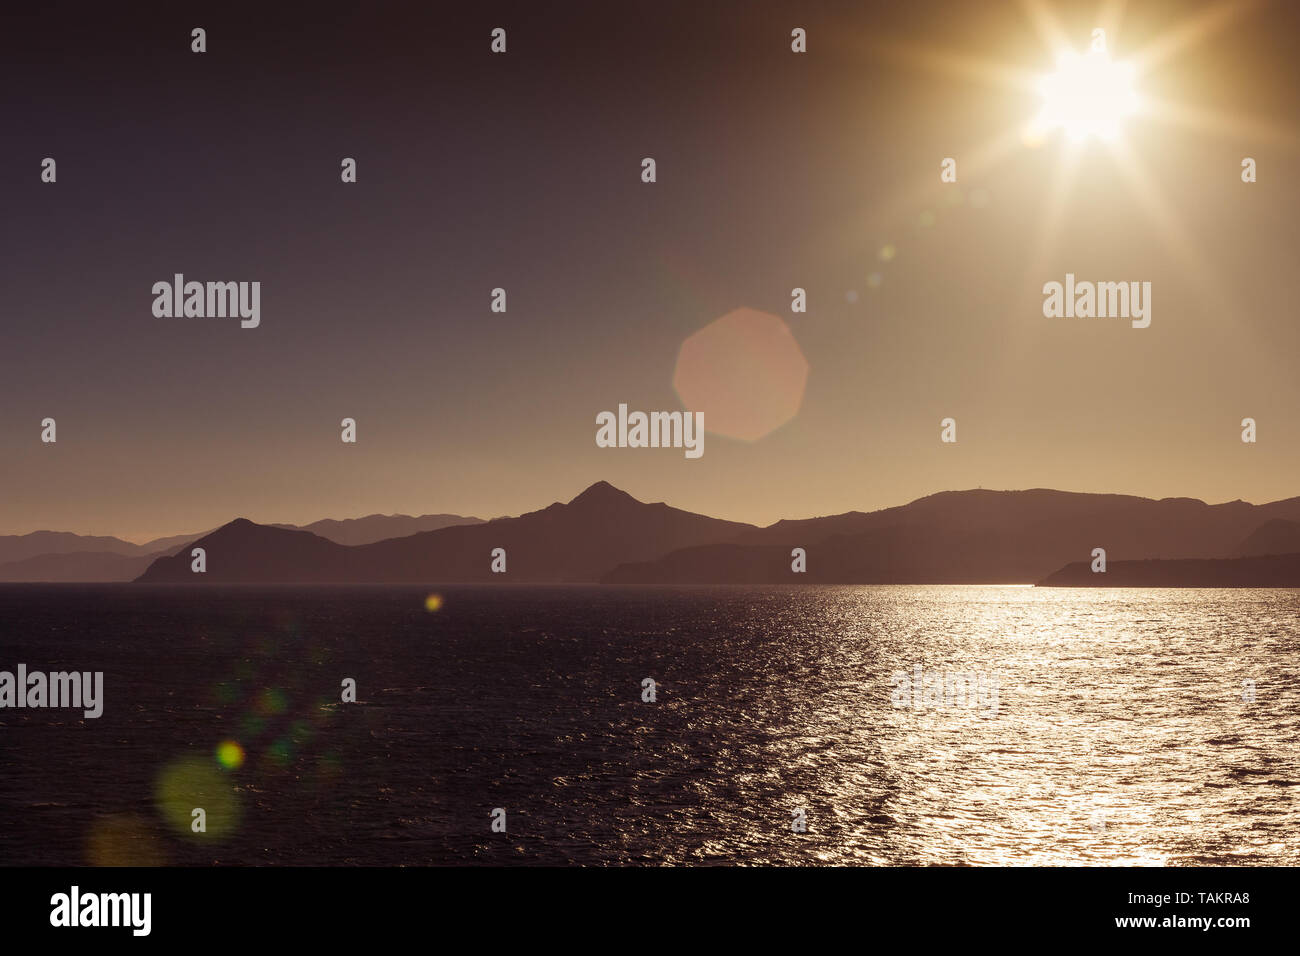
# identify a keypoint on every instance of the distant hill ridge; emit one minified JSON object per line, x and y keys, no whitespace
{"x":378,"y":527}
{"x":1259,"y":571}
{"x":564,"y":542}
{"x":64,"y":557}
{"x":606,"y":535}
{"x":971,"y":537}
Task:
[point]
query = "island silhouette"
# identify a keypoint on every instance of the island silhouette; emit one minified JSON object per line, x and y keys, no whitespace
{"x":605,"y":535}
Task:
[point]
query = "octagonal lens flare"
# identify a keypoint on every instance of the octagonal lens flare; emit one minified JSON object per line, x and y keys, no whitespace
{"x":745,"y":372}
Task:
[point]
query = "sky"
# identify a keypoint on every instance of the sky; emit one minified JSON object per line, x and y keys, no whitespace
{"x":775,"y":170}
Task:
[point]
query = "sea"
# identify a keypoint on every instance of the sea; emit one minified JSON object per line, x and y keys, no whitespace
{"x":508,"y":725}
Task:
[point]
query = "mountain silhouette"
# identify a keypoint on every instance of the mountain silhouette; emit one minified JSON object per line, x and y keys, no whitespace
{"x":572,"y":542}
{"x":1276,"y":536}
{"x":76,"y":566}
{"x":58,"y":556}
{"x":20,"y":547}
{"x":64,"y":556}
{"x":378,"y":527}
{"x":606,"y":535}
{"x":1260,"y":571}
{"x":243,"y":552}
{"x":965,"y":537}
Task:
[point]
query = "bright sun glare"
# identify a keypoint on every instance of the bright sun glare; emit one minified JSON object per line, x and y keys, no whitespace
{"x":1090,"y":97}
{"x":1087,"y":96}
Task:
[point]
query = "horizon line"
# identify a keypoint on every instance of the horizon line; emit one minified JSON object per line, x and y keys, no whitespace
{"x":140,"y":540}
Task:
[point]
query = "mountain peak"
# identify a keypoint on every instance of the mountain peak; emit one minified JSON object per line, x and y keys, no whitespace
{"x":603,"y":493}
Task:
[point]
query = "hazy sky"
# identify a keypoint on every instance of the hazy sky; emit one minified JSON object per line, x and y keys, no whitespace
{"x":522,"y":170}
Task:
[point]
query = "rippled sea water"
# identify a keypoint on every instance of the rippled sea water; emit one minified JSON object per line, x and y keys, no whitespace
{"x":1123,"y":731}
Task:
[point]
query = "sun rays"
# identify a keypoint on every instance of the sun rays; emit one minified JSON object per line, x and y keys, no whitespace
{"x":1086,"y":105}
{"x":1089,"y":98}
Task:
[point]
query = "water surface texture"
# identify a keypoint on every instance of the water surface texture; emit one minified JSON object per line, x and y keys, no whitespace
{"x":1123,"y":731}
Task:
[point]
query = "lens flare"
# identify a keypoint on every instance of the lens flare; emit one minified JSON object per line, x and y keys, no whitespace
{"x":230,"y":755}
{"x":192,"y":784}
{"x":744,"y":371}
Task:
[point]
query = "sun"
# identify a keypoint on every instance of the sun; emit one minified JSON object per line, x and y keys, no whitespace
{"x":1089,"y":98}
{"x":1088,"y":95}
